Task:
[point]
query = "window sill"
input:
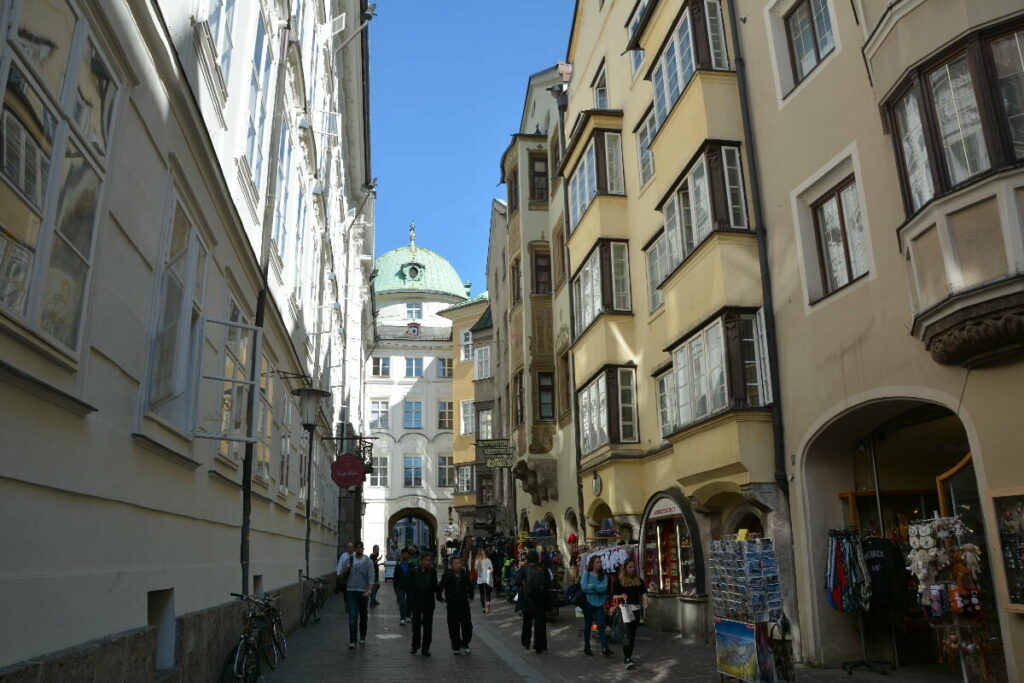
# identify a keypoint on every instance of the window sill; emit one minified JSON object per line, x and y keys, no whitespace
{"x":797,"y":84}
{"x":206,"y":49}
{"x":537,"y":205}
{"x":839,"y":290}
{"x":593,"y":324}
{"x":37,"y":342}
{"x":153,"y":446}
{"x":721,"y":416}
{"x":249,"y":189}
{"x":226,"y":481}
{"x":44,"y":390}
{"x":970,"y":182}
{"x":701,"y":247}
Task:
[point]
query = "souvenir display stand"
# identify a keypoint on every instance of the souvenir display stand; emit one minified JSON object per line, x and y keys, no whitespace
{"x":746,"y":596}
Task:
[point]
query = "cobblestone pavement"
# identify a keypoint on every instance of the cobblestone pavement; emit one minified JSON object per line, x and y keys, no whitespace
{"x":319,"y":653}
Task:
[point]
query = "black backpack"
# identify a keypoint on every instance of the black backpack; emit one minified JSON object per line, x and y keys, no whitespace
{"x":536,"y":582}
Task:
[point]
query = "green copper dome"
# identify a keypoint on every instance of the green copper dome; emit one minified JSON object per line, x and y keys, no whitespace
{"x":415,"y":269}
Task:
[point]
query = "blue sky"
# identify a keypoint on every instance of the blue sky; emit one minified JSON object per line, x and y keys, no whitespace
{"x":447,"y":82}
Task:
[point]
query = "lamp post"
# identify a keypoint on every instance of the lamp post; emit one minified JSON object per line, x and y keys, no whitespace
{"x":309,"y":405}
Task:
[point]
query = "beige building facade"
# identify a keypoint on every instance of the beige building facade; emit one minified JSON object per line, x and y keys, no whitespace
{"x":150,"y":216}
{"x":889,"y":143}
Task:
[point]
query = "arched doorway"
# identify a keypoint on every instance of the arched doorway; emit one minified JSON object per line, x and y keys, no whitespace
{"x":412,"y":526}
{"x":880,"y":468}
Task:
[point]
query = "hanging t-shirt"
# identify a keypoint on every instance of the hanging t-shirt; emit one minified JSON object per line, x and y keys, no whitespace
{"x":885,"y":567}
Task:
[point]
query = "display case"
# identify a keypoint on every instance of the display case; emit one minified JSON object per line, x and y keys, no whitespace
{"x":1009,"y":510}
{"x":668,"y":562}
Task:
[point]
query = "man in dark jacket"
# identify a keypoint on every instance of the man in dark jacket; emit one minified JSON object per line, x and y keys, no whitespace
{"x":401,"y":581}
{"x":533,"y":582}
{"x":422,"y":589}
{"x":456,"y":591}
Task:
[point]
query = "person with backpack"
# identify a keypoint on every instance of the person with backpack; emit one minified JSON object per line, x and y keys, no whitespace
{"x":533,"y":582}
{"x":358,"y":586}
{"x":422,"y":596}
{"x":456,"y":590}
{"x":484,"y":572}
{"x":631,"y":593}
{"x":401,"y":582}
{"x":594,"y":584}
{"x":344,"y":566}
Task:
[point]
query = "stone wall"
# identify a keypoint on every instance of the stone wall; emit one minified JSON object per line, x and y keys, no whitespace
{"x":203,"y":640}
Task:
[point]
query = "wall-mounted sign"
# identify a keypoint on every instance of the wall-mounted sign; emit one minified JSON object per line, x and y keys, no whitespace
{"x":664,"y":507}
{"x":347,"y":471}
{"x":497,"y":452}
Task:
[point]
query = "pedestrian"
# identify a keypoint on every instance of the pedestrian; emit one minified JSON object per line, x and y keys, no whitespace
{"x":595,"y":586}
{"x":422,"y":593}
{"x":401,"y":582}
{"x":632,"y":594}
{"x":456,"y":591}
{"x":533,"y":583}
{"x":344,"y":565}
{"x":484,"y":575}
{"x":375,"y":558}
{"x":360,"y":580}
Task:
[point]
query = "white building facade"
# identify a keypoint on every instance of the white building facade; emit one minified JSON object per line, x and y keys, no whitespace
{"x":408,"y":399}
{"x":185,"y":238}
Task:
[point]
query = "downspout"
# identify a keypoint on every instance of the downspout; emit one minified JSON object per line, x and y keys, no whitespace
{"x":562,"y":98}
{"x":261,"y":298}
{"x":781,"y":479}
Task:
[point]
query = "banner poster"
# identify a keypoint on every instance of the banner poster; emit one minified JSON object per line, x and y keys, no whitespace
{"x":742,"y":651}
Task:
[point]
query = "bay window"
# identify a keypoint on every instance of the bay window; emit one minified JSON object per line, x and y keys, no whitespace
{"x":541,"y":273}
{"x":464,"y":484}
{"x":545,"y":396}
{"x":598,"y":171}
{"x":602,"y":284}
{"x":710,"y":197}
{"x":485,"y":424}
{"x":644,"y":135}
{"x":608,"y":409}
{"x":636,"y":56}
{"x":466,"y":410}
{"x":724,"y":365}
{"x":657,"y":270}
{"x":960,"y":115}
{"x":47,"y":142}
{"x":518,"y":394}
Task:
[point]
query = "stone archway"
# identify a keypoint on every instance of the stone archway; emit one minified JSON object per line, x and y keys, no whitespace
{"x":399,"y":519}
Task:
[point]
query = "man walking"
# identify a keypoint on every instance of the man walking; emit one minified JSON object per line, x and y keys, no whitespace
{"x":344,"y":565}
{"x":401,"y":581}
{"x":534,"y":582}
{"x":360,"y":580}
{"x":456,"y":591}
{"x":422,"y":589}
{"x":375,"y":558}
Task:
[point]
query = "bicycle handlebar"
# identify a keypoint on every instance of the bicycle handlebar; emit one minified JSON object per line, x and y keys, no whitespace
{"x":311,"y":578}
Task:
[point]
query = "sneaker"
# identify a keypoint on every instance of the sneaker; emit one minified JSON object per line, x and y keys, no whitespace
{"x":465,"y":650}
{"x":401,"y":622}
{"x":456,"y":652}
{"x":362,"y":641}
{"x":629,"y":664}
{"x":351,"y":646}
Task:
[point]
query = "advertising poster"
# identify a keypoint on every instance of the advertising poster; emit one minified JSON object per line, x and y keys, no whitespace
{"x":737,"y":645}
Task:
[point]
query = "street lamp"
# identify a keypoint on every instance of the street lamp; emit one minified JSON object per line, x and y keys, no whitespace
{"x":309,"y":405}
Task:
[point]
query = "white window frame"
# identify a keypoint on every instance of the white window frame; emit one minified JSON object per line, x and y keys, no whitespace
{"x":636,"y":57}
{"x":414,"y":310}
{"x":673,"y":71}
{"x":379,"y":475}
{"x":221,"y":28}
{"x":445,"y":465}
{"x":482,"y":361}
{"x":735,"y":192}
{"x":600,"y":89}
{"x":716,"y":34}
{"x":380,"y":366}
{"x":619,"y":257}
{"x":627,"y":406}
{"x":259,"y":93}
{"x":645,"y":156}
{"x":613,"y":163}
{"x":583,"y":184}
{"x":380,"y":408}
{"x":445,"y":409}
{"x":239,"y":384}
{"x":485,"y":427}
{"x":413,"y":365}
{"x":693,"y":387}
{"x":409,"y":410}
{"x":410,"y":466}
{"x":657,"y":270}
{"x":444,"y":368}
{"x":593,"y":410}
{"x":665,"y":390}
{"x":466,"y":346}
{"x":465,"y":478}
{"x":588,"y":302}
{"x":467,"y":415}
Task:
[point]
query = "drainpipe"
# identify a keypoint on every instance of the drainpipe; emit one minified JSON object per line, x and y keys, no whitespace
{"x":261,"y":298}
{"x":781,"y":479}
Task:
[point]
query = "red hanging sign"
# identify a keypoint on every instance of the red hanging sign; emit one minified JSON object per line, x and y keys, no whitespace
{"x":347,"y":471}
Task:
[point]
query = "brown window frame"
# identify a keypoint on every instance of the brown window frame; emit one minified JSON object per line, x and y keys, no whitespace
{"x":512,"y":186}
{"x":441,"y":414}
{"x":554,"y":157}
{"x":563,"y":384}
{"x":833,"y":193}
{"x":516,"y":271}
{"x":613,"y":405}
{"x":545,"y":384}
{"x":797,"y":79}
{"x":977,"y":46}
{"x":539,"y":187}
{"x":519,"y":402}
{"x":542,"y":286}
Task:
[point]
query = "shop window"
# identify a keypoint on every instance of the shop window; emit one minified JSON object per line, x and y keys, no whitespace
{"x":668,"y":560}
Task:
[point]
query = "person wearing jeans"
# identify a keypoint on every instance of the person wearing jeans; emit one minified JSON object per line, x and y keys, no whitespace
{"x":456,"y":590}
{"x":360,"y":580}
{"x":403,"y":574}
{"x":595,"y":586}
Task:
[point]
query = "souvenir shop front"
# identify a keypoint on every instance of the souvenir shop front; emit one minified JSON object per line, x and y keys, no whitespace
{"x":672,"y":564}
{"x":896,"y":529}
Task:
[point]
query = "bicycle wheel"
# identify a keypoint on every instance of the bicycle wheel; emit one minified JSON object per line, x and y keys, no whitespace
{"x":249,"y":664}
{"x":277,"y":632}
{"x":307,"y":608}
{"x":227,"y":672}
{"x":265,"y":641}
{"x":318,"y":604}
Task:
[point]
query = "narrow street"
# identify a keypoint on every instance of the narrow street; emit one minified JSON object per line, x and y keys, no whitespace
{"x":318,"y":653}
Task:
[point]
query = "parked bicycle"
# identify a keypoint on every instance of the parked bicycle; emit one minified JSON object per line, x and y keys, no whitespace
{"x":262,"y":636}
{"x":315,"y":600}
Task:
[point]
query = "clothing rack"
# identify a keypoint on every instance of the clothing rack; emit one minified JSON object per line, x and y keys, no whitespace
{"x":852,"y":535}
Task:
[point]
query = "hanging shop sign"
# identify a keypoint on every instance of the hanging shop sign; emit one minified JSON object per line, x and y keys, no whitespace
{"x":347,"y":471}
{"x":665,"y":508}
{"x":497,"y":452}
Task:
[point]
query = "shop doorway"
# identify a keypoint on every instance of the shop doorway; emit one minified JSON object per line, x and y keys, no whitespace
{"x":883,"y":473}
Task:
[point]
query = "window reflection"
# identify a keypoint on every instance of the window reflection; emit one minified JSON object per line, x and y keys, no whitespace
{"x":44,"y":38}
{"x":94,"y":100}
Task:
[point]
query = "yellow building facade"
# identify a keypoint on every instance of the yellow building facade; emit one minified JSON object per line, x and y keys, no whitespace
{"x":672,"y":389}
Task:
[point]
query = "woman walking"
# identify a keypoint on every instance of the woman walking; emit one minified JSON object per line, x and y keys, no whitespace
{"x":484,"y":574}
{"x":595,"y":586}
{"x":632,"y":593}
